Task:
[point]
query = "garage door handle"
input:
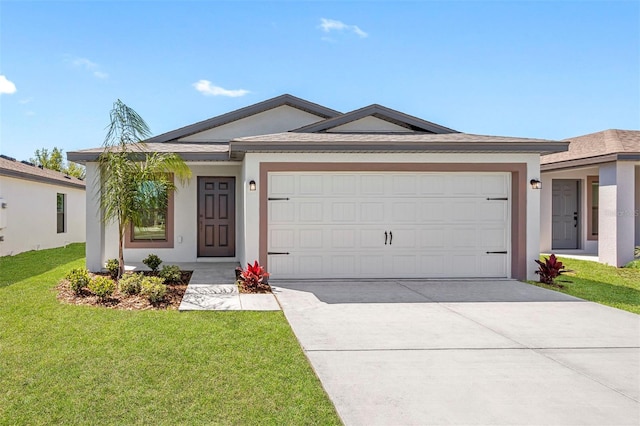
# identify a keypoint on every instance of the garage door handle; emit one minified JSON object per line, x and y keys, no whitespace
{"x":496,"y":252}
{"x":390,"y":237}
{"x":385,"y":238}
{"x":277,"y":252}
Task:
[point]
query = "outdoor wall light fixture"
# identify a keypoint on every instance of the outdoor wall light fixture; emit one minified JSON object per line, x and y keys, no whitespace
{"x":252,"y":185}
{"x":535,"y":184}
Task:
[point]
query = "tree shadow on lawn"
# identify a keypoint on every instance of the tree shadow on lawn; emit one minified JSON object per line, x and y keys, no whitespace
{"x":29,"y":264}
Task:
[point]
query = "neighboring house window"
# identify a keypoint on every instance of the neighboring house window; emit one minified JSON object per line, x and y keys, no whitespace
{"x":61,"y":212}
{"x":156,"y":227}
{"x":593,"y":188}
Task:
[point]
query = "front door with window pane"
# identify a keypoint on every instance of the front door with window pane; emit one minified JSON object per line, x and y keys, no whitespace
{"x":216,"y":217}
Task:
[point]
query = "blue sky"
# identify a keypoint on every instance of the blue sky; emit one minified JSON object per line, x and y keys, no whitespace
{"x":541,"y":69}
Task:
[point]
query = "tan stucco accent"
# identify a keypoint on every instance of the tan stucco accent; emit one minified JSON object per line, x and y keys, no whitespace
{"x":518,"y":195}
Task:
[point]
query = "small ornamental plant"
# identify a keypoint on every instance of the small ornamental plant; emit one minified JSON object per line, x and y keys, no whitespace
{"x":153,"y":288}
{"x":130,"y":284}
{"x":170,"y":274}
{"x":78,"y":279}
{"x":254,"y":279}
{"x":153,"y":262}
{"x":102,"y":287}
{"x":550,"y":269}
{"x":113,"y":266}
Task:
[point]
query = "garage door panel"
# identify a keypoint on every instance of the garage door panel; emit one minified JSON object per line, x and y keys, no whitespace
{"x":403,"y":238}
{"x":280,"y":239}
{"x":311,"y":185}
{"x":433,"y":211}
{"x":432,"y":185}
{"x":372,"y":185}
{"x":371,"y":265}
{"x":404,"y":185}
{"x":462,"y":211}
{"x":493,"y":211}
{"x":344,"y":184}
{"x":372,"y":212}
{"x":442,"y":224}
{"x":494,"y":185}
{"x":310,"y":211}
{"x":343,"y":211}
{"x":404,"y":211}
{"x":492,"y":264}
{"x":432,"y":238}
{"x":343,"y":238}
{"x":280,"y":185}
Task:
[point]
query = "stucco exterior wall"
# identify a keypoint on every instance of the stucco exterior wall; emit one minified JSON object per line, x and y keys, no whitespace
{"x":102,"y":240}
{"x":31,"y":215}
{"x":251,"y":171}
{"x":276,"y":120}
{"x":617,"y":216}
{"x":369,"y":124}
{"x":546,"y":222}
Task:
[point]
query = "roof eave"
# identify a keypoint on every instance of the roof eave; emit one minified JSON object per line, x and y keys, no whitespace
{"x":42,"y":179}
{"x":244,"y":146}
{"x":84,"y":157}
{"x":589,"y":161}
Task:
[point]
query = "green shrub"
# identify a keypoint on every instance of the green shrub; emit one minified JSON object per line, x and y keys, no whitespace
{"x":153,"y":288}
{"x":152,"y":261}
{"x":171,"y":273}
{"x":130,"y":283}
{"x":635,"y":264}
{"x":113,"y":266}
{"x":78,"y":279}
{"x":102,"y":287}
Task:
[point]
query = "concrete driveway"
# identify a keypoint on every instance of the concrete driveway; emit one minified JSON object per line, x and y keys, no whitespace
{"x":466,"y":352}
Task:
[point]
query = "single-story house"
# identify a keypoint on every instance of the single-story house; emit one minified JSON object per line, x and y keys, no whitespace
{"x":39,"y":208}
{"x":311,"y":192}
{"x":591,"y":197}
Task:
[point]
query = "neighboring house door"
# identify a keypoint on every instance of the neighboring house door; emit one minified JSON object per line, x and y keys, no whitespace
{"x":216,"y":217}
{"x":565,"y":214}
{"x":388,"y":225}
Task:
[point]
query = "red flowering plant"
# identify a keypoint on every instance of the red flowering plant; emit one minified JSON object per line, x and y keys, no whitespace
{"x":253,"y":279}
{"x":550,"y":269}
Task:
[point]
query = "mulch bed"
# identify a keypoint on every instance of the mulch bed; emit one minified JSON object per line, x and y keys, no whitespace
{"x":171,"y":301}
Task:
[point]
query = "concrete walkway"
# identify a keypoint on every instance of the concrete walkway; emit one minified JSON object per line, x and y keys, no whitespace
{"x":212,"y":288}
{"x":467,"y":352}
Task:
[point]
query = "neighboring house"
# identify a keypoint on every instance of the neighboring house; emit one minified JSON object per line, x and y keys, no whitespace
{"x":39,"y":208}
{"x":314,"y":193}
{"x":591,"y":196}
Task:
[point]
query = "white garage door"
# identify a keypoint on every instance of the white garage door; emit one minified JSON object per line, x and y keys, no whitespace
{"x":388,"y":225}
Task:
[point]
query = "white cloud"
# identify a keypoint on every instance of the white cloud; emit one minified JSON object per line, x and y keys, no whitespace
{"x":206,"y":88}
{"x":7,"y":86}
{"x":328,"y":25}
{"x":89,"y":66}
{"x":25,"y":101}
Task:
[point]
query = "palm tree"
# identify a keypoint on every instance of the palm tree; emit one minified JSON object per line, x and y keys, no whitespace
{"x":126,"y":171}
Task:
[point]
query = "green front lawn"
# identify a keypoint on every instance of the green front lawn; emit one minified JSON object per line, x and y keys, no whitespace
{"x":63,"y":364}
{"x":617,"y":287}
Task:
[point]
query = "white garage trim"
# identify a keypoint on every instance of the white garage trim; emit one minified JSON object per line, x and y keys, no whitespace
{"x":410,"y":260}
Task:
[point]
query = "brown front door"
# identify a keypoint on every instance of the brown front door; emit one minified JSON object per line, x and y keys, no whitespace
{"x":216,"y":216}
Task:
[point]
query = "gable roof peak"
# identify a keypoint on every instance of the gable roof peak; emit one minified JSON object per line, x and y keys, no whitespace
{"x":411,"y":123}
{"x":278,"y":101}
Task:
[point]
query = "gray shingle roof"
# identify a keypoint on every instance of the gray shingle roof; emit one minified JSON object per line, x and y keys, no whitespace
{"x":188,"y":151}
{"x":596,"y":145}
{"x":20,"y":170}
{"x":425,"y":142}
